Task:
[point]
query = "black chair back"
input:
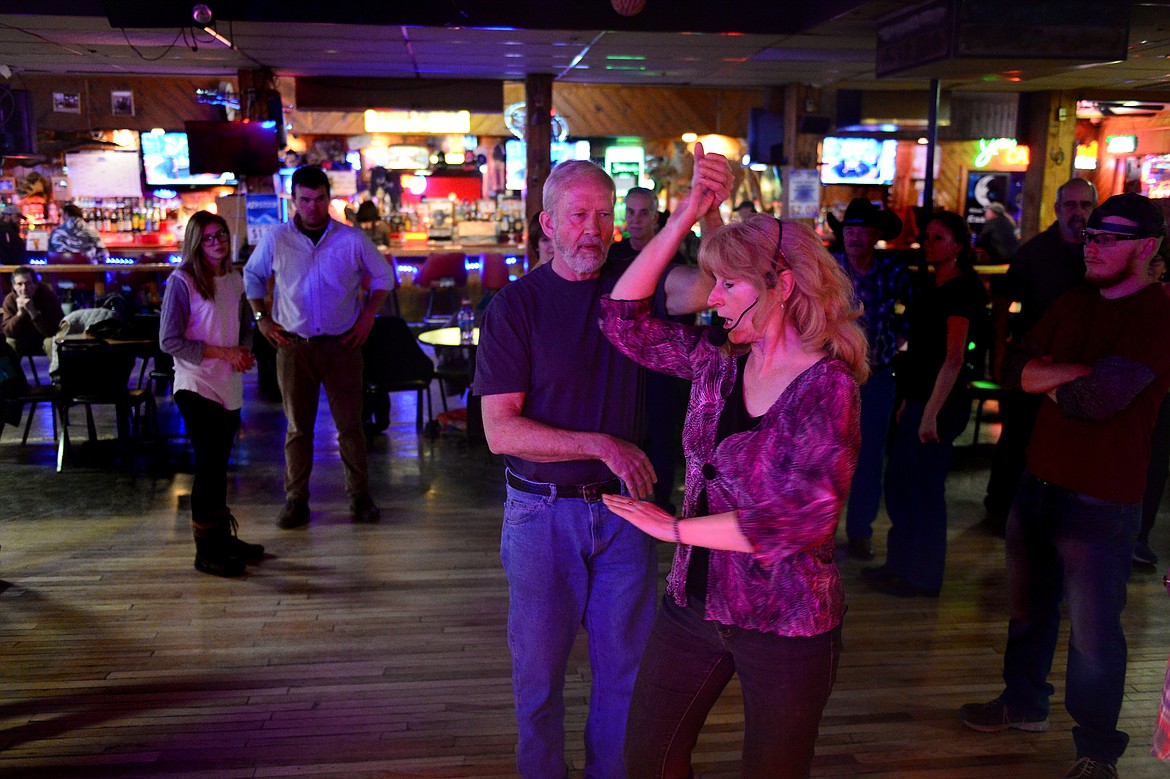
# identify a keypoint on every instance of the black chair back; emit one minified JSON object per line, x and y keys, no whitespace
{"x":93,"y":372}
{"x":392,"y":355}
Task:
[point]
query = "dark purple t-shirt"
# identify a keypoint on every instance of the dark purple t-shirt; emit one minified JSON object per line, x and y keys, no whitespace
{"x":540,"y":336}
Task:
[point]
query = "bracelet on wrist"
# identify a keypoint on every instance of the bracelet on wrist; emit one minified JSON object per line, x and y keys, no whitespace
{"x":677,"y":534}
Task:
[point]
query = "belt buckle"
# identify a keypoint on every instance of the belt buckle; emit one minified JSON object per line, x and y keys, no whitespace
{"x":591,"y":492}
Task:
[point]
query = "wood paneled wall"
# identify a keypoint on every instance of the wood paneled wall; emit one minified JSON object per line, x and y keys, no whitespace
{"x":159,"y":101}
{"x":649,"y":112}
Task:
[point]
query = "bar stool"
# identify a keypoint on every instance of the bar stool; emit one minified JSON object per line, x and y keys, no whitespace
{"x":446,"y":275}
{"x":493,"y":273}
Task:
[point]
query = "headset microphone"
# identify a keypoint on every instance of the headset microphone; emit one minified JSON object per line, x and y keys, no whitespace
{"x":717,"y":336}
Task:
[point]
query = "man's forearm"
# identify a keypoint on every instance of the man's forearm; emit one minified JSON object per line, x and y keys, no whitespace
{"x":535,"y":441}
{"x":374,"y":301}
{"x":1041,"y":375}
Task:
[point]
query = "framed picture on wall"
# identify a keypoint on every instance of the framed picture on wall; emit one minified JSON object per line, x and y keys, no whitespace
{"x":122,"y":103}
{"x":66,"y":103}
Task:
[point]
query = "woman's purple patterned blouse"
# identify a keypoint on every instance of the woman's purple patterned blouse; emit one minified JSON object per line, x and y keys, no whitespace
{"x":787,"y":478}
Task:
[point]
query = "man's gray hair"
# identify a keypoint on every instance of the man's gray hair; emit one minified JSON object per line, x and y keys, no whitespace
{"x":568,"y":173}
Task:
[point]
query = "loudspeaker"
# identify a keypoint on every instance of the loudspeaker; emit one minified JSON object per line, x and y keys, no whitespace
{"x":766,"y":137}
{"x":815,"y":125}
{"x":276,"y":113}
{"x":18,"y":136}
{"x":848,"y":108}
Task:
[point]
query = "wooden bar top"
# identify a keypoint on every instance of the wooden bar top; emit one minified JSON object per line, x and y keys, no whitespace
{"x":99,"y":268}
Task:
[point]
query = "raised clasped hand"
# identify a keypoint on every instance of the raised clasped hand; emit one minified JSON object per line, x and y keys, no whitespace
{"x":711,"y":179}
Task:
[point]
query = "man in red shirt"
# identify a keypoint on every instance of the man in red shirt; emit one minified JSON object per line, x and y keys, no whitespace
{"x":1072,"y":525}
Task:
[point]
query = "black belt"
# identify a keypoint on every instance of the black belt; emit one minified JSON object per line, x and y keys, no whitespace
{"x":590,"y":493}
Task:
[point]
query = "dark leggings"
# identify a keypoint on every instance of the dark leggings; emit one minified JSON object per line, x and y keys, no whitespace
{"x":212,"y":430}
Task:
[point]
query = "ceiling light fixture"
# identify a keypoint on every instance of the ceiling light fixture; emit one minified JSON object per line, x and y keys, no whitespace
{"x":205,"y":19}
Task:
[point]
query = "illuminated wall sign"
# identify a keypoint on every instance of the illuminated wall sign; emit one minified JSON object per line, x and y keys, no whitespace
{"x":1086,"y":157}
{"x":625,"y":164}
{"x":1120,"y":144}
{"x":1005,"y":150}
{"x":406,"y":122}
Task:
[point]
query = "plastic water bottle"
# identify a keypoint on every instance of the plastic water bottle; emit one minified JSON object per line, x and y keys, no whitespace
{"x":466,"y":321}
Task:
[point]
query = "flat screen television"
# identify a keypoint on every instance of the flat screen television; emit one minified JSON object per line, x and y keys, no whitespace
{"x":167,"y":163}
{"x":858,"y":160}
{"x":244,"y":148}
{"x":516,"y":158}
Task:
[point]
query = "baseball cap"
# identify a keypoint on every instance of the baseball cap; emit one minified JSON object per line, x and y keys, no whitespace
{"x":1146,"y":218}
{"x":12,"y":211}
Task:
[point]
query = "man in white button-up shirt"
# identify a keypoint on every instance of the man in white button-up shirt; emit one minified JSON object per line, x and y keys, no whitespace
{"x":319,"y":319}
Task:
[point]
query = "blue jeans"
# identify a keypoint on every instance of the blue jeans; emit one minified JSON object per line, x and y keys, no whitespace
{"x":572,"y":563}
{"x":865,"y":493}
{"x":916,"y":479}
{"x":1062,"y":544}
{"x":785,"y":681}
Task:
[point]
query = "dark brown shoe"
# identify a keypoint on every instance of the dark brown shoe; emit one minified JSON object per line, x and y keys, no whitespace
{"x":364,"y":511}
{"x":294,"y":514}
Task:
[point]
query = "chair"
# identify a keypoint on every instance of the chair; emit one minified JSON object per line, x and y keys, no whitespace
{"x":91,"y":373}
{"x":32,"y":366}
{"x":446,"y":275}
{"x":16,"y":393}
{"x":982,"y":391}
{"x":33,"y":396}
{"x":394,"y":363}
{"x":493,"y":273}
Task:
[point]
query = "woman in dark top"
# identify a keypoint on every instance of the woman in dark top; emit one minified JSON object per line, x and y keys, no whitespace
{"x":934,"y":411}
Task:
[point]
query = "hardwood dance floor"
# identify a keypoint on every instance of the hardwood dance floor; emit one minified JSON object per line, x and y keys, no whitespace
{"x":379,"y":651}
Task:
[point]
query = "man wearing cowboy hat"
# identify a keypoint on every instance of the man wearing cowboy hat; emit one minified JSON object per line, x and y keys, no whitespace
{"x":12,"y":248}
{"x":879,"y":282}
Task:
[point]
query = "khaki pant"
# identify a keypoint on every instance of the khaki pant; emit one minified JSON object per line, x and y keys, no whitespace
{"x":301,"y":368}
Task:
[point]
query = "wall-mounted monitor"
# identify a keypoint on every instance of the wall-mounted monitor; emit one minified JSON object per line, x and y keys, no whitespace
{"x":859,"y":161}
{"x":167,"y":162}
{"x":516,"y":158}
{"x":244,"y":148}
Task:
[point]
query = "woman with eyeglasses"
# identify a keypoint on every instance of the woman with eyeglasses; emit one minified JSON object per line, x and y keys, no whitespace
{"x":934,"y":411}
{"x":771,"y":440}
{"x":206,"y":328}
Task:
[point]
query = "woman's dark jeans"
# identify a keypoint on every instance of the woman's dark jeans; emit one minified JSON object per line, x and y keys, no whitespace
{"x":785,"y":681}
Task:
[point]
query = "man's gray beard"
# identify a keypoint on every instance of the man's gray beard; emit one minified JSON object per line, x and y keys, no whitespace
{"x":581,"y":265}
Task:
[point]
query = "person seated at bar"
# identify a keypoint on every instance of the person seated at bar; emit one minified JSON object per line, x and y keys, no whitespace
{"x":31,"y":315}
{"x":772,"y":436}
{"x":370,"y":222}
{"x":12,"y":244}
{"x":74,"y":236}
